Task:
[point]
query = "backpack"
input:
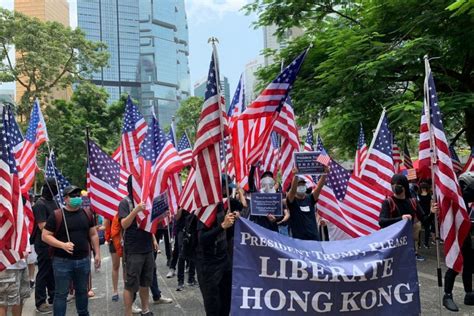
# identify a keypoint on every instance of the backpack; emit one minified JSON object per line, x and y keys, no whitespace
{"x":393,"y":207}
{"x":190,"y":239}
{"x":58,"y":217}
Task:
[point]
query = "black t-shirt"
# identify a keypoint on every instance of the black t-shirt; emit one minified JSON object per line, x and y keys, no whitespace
{"x":303,"y":218}
{"x":135,"y":240}
{"x":425,"y":203}
{"x":402,"y":207}
{"x":78,"y":225}
{"x":42,"y":210}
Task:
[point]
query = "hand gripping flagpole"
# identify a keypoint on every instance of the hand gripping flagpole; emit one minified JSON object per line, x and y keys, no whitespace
{"x":427,"y":108}
{"x":213,"y":41}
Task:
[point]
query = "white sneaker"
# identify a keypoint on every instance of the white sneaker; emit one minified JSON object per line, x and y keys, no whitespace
{"x":136,"y":309}
{"x":163,"y":300}
{"x":171,"y":273}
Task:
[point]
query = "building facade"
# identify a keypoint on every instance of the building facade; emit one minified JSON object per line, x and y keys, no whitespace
{"x":250,"y":78}
{"x":164,"y":51}
{"x":271,"y":41}
{"x":116,"y":24}
{"x":200,"y":89}
{"x":45,"y":10}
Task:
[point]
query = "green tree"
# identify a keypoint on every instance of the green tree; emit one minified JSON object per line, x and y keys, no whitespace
{"x":67,"y":123}
{"x":48,"y":55}
{"x":188,"y":117}
{"x":367,"y":55}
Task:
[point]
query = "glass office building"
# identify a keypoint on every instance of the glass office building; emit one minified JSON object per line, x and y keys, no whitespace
{"x":114,"y":22}
{"x":164,"y":51}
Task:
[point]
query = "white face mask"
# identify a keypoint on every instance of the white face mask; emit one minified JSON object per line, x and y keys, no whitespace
{"x":267,"y":190}
{"x":301,"y":189}
{"x":267,"y":185}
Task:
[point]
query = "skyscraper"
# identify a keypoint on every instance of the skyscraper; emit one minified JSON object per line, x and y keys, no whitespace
{"x":200,"y":89}
{"x":271,"y":41}
{"x":116,"y":24}
{"x":45,"y":10}
{"x":251,"y":79}
{"x":164,"y":54}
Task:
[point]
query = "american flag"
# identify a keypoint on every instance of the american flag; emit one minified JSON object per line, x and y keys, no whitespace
{"x":396,"y":156}
{"x":133,"y":133}
{"x":237,"y":106}
{"x":361,"y":152}
{"x":13,"y":222}
{"x":171,"y":135}
{"x":309,"y":142}
{"x":203,"y":186}
{"x":407,"y":162}
{"x":159,"y":160}
{"x":261,"y":116}
{"x":378,"y":166}
{"x":107,"y":181}
{"x":457,"y":165}
{"x":469,"y":166}
{"x":454,"y":219}
{"x":185,"y":151}
{"x":323,"y":158}
{"x":272,"y":156}
{"x":53,"y":172}
{"x":36,"y":134}
{"x":285,"y":126}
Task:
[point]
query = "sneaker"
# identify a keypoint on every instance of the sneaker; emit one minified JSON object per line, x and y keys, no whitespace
{"x":171,"y":273}
{"x":163,"y":300}
{"x":191,"y":283}
{"x":448,"y":302}
{"x":136,"y":309}
{"x":469,"y":298}
{"x":149,"y":313}
{"x":115,"y":298}
{"x":419,"y":258}
{"x":180,"y":287}
{"x":44,"y":309}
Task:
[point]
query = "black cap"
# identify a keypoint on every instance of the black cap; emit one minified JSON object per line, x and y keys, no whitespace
{"x":71,"y":189}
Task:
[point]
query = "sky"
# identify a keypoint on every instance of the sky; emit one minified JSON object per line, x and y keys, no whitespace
{"x":239,"y":43}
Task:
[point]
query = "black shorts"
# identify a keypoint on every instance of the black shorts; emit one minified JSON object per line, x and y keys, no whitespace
{"x":139,"y":270}
{"x":112,"y":247}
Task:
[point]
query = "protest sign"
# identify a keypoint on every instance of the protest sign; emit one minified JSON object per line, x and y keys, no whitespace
{"x":306,"y":163}
{"x":277,"y":275}
{"x":262,"y":204}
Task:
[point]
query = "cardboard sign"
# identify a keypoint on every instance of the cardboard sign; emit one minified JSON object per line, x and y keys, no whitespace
{"x":306,"y":163}
{"x":262,"y":204}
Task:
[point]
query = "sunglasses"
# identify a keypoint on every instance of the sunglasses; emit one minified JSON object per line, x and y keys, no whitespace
{"x":74,"y":195}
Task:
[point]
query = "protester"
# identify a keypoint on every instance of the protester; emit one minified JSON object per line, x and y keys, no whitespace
{"x":154,"y":288}
{"x":113,"y":238}
{"x":466,"y":182}
{"x":163,"y":231}
{"x":138,"y":260}
{"x":302,"y":207}
{"x":71,"y":232}
{"x":42,"y":210}
{"x":403,"y":206}
{"x":178,"y":258}
{"x":213,"y":260}
{"x":14,"y":288}
{"x":424,"y":198}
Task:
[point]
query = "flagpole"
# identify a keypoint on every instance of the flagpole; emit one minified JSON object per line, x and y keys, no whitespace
{"x":213,"y":41}
{"x":433,"y":162}
{"x":372,"y":143}
{"x":174,"y":131}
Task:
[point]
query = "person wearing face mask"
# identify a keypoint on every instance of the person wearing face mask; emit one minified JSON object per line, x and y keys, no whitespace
{"x":71,"y":232}
{"x":401,"y":206}
{"x":42,"y":209}
{"x":267,"y":185}
{"x":302,"y":207}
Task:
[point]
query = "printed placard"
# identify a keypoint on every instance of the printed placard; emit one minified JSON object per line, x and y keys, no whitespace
{"x":306,"y":163}
{"x":262,"y":204}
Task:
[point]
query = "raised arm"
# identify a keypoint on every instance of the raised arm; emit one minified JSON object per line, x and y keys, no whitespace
{"x":294,"y":185}
{"x":321,"y":183}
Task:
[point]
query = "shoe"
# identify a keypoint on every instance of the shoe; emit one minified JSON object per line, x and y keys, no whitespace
{"x":469,"y":299}
{"x":419,"y":258}
{"x":115,"y":298}
{"x":191,"y":283}
{"x":171,"y":273}
{"x":136,"y":309}
{"x":180,"y":287}
{"x":448,"y":302}
{"x":149,"y":313}
{"x":44,"y":309}
{"x":426,"y":246}
{"x":163,"y":300}
{"x":32,"y":284}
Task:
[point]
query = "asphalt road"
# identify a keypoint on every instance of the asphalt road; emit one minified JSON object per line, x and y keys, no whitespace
{"x":189,"y":301}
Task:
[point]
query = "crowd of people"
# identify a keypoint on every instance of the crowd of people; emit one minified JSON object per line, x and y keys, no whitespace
{"x":65,"y":239}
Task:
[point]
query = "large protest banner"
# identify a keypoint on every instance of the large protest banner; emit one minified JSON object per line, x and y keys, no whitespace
{"x":277,"y":275}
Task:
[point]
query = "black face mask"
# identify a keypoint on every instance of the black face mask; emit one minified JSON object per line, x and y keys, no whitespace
{"x":398,"y":189}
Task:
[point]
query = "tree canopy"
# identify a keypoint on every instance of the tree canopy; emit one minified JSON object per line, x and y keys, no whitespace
{"x":188,"y":117}
{"x":368,"y":55}
{"x":48,"y":55}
